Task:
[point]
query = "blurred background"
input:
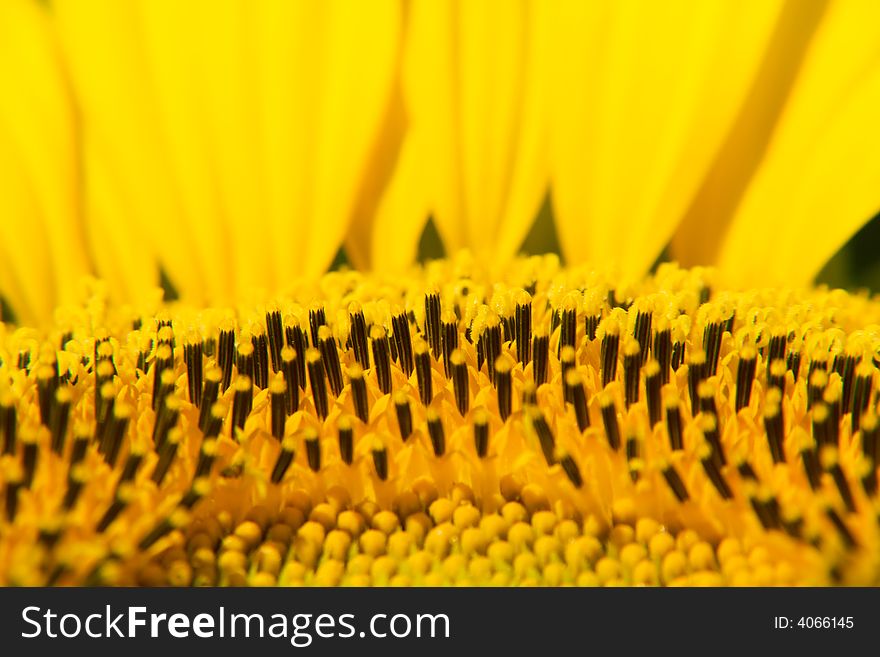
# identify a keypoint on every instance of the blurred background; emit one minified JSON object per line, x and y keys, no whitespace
{"x":223,"y":148}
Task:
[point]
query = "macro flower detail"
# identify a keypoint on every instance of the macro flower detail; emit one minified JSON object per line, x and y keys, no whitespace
{"x":545,"y":428}
{"x":190,"y":123}
{"x":196,"y":388}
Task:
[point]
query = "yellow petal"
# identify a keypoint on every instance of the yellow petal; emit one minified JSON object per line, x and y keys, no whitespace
{"x":473,"y":105}
{"x":383,"y":214}
{"x":239,"y":132}
{"x":25,"y":271}
{"x":121,"y":248}
{"x":820,"y":179}
{"x":400,"y":215}
{"x":699,"y":235}
{"x":42,"y":248}
{"x":359,"y":49}
{"x":643,"y":94}
{"x":132,"y":207}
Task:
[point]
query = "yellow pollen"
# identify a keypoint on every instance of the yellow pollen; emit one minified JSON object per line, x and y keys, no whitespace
{"x":448,"y":427}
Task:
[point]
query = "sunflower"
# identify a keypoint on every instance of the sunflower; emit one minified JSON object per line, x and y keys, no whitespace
{"x":189,"y":397}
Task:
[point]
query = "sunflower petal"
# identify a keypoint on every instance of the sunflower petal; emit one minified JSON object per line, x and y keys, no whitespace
{"x":25,"y":270}
{"x":643,"y":94}
{"x":373,"y":220}
{"x":42,"y":251}
{"x":820,"y":179}
{"x":471,"y":91}
{"x":360,"y":49}
{"x":239,"y":132}
{"x":132,"y":206}
{"x":400,"y":215}
{"x":699,"y":235}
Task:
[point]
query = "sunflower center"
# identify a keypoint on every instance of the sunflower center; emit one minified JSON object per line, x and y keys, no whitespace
{"x":448,"y":427}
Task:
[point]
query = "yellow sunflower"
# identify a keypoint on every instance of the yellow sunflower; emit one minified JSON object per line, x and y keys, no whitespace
{"x":483,"y":419}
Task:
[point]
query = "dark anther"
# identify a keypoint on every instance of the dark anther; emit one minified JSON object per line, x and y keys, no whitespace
{"x":318,"y":383}
{"x":346,"y":441}
{"x":275,"y":333}
{"x":381,"y":357}
{"x":192,"y":356}
{"x":436,"y":433}
{"x":359,"y":336}
{"x":423,"y":373}
{"x":540,"y":356}
{"x":317,"y":319}
{"x":226,"y":356}
{"x":330,"y":358}
{"x":609,"y":420}
{"x":403,"y":340}
{"x":523,"y":322}
{"x":404,"y":415}
{"x":608,"y":356}
{"x":745,"y":377}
